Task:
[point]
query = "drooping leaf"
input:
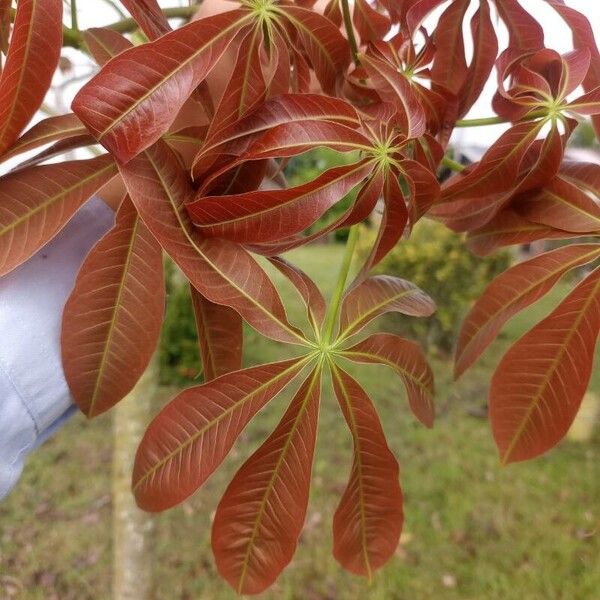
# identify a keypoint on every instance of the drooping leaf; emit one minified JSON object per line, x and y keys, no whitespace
{"x":112,"y":319}
{"x":127,"y":110}
{"x":149,"y":16}
{"x":371,"y":24}
{"x":511,"y":292}
{"x":269,"y":215}
{"x":31,"y":61}
{"x":192,"y":435}
{"x":369,"y":517}
{"x":104,"y":43}
{"x":222,"y":272}
{"x":220,"y":336}
{"x":537,"y":389}
{"x":378,"y":295}
{"x":49,"y":130}
{"x":36,"y":203}
{"x":562,"y":205}
{"x":260,"y":517}
{"x":408,"y":360}
{"x":508,"y":228}
{"x":525,"y":33}
{"x":4,"y":25}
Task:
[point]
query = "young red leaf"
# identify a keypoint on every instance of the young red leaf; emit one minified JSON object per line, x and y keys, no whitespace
{"x":149,"y":17}
{"x":326,"y":48}
{"x":526,"y":34}
{"x":222,"y":272}
{"x":378,"y":295}
{"x":260,"y":517}
{"x":408,"y":360}
{"x":30,"y":64}
{"x":105,"y":44}
{"x":395,"y":88}
{"x":371,"y":24}
{"x":269,"y":215}
{"x":511,"y":292}
{"x":309,"y":292}
{"x":220,"y":336}
{"x":52,"y":129}
{"x":192,"y":435}
{"x":562,"y":205}
{"x":508,"y":228}
{"x":537,"y":388}
{"x":450,"y":67}
{"x":235,"y":139}
{"x":485,"y":50}
{"x":36,"y":203}
{"x":127,"y":110}
{"x":112,"y":319}
{"x":368,"y":520}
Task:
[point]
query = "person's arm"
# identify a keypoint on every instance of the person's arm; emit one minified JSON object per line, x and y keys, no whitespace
{"x":34,"y":396}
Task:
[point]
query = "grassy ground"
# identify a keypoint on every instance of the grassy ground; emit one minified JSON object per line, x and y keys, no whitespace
{"x":473,"y":530}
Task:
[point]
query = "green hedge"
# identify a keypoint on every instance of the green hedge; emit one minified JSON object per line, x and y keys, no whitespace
{"x":435,"y":259}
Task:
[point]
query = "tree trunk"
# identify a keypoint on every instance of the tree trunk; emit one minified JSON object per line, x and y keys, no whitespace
{"x":132,"y":558}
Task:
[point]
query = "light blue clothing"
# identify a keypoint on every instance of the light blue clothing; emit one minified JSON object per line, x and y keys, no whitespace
{"x":34,"y":396}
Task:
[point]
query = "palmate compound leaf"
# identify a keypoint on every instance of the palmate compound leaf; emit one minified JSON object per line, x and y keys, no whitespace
{"x":260,"y":517}
{"x":31,"y":61}
{"x":112,"y":319}
{"x":37,"y":202}
{"x":511,"y":292}
{"x":537,"y":389}
{"x":369,"y":517}
{"x":192,"y":435}
{"x":128,"y":109}
{"x":222,"y":272}
{"x":378,"y":295}
{"x":408,"y":360}
{"x":220,"y":336}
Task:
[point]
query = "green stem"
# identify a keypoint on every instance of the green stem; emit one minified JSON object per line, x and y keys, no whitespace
{"x":336,"y":300}
{"x":74,"y":22}
{"x":350,"y":32}
{"x":73,"y":38}
{"x":452,"y":164}
{"x":536,"y":114}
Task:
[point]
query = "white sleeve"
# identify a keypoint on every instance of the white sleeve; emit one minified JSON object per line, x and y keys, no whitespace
{"x":34,"y":397}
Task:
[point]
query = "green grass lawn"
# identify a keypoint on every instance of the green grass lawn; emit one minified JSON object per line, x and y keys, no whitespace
{"x":473,"y":529}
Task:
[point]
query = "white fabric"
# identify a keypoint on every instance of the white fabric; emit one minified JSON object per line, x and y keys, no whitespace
{"x":34,"y":397}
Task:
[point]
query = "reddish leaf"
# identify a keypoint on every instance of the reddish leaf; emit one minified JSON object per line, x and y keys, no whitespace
{"x":47,"y":131}
{"x":192,"y":435}
{"x":589,"y":104}
{"x":30,"y":64}
{"x":538,"y":386}
{"x":562,"y":205}
{"x":371,"y":25}
{"x":220,"y":271}
{"x":508,"y":228}
{"x":309,"y":292}
{"x":395,"y":88}
{"x":408,"y":360}
{"x":235,"y":139}
{"x":112,"y":319}
{"x":105,"y":44}
{"x":149,"y":17}
{"x":368,"y":520}
{"x":36,"y":203}
{"x":450,"y":66}
{"x":268,"y":215}
{"x":485,"y":50}
{"x":378,"y":295}
{"x":220,"y":336}
{"x":326,"y":48}
{"x":260,"y":517}
{"x":526,"y":34}
{"x":585,"y":175}
{"x":511,"y":292}
{"x":129,"y":109}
